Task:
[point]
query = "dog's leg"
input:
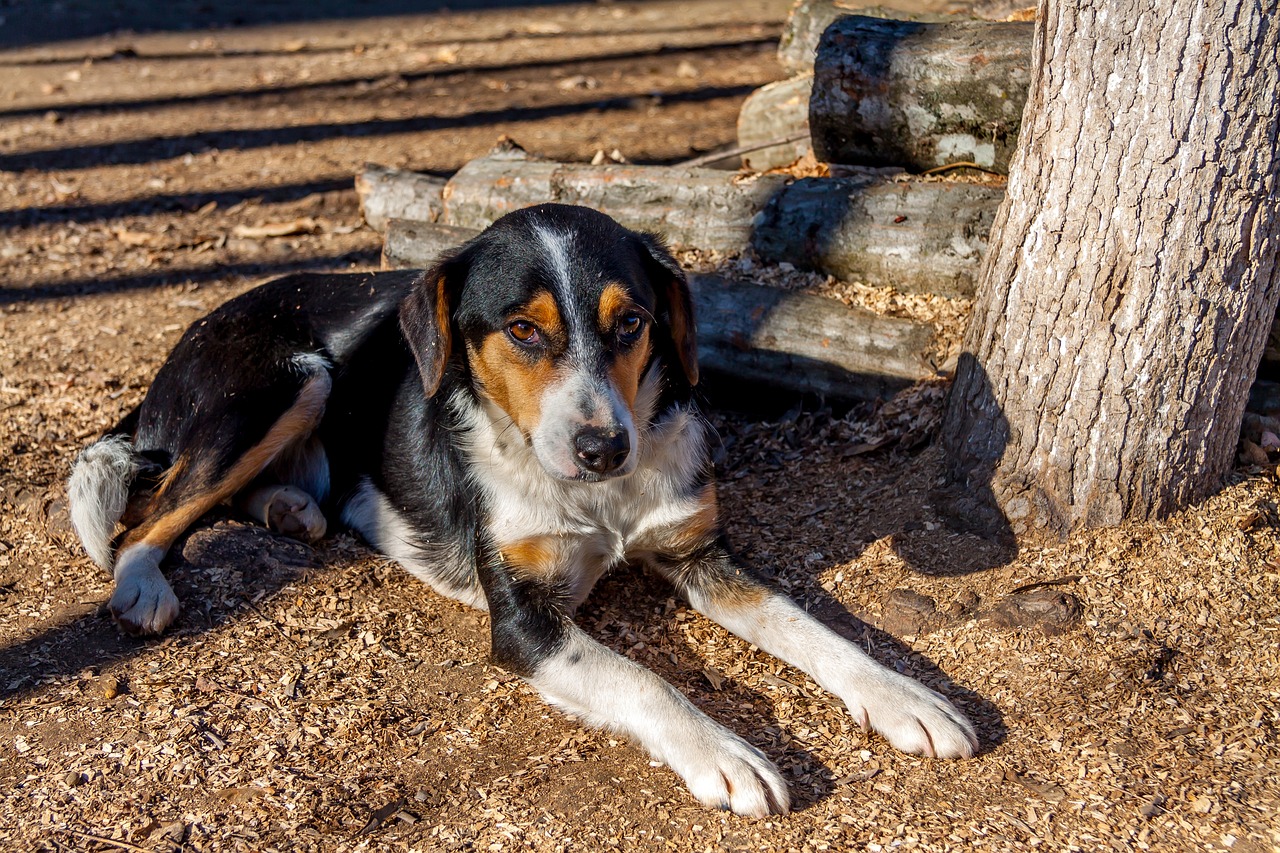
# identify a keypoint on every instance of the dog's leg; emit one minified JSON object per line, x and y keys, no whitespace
{"x":143,"y":602}
{"x":534,"y":636}
{"x":909,"y":715}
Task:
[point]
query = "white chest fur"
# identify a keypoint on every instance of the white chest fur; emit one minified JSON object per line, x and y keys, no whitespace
{"x":595,"y":525}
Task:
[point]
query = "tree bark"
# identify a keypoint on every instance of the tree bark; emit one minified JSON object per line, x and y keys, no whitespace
{"x":918,"y":95}
{"x":777,"y":111}
{"x":797,"y":342}
{"x":1132,"y":274}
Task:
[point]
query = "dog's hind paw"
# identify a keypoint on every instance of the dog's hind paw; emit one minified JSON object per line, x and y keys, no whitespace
{"x":292,"y":512}
{"x":143,"y":601}
{"x":916,"y":720}
{"x":726,"y":772}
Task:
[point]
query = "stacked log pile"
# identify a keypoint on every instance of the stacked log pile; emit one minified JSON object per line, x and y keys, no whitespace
{"x":879,"y":96}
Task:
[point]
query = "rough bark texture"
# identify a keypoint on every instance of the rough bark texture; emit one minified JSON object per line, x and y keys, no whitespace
{"x":927,"y":237}
{"x":794,"y":341}
{"x":919,"y":95}
{"x":922,"y":236}
{"x":694,"y":208}
{"x":777,"y":111}
{"x":396,"y":194}
{"x":417,"y":245}
{"x":1132,"y":274}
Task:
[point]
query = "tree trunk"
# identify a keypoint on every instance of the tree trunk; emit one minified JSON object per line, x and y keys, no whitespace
{"x":904,"y":93}
{"x":1132,"y":273}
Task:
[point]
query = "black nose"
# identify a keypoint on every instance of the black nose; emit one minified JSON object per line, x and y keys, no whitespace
{"x":601,"y":452}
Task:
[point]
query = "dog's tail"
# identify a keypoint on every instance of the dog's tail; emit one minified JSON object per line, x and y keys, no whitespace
{"x":98,"y":490}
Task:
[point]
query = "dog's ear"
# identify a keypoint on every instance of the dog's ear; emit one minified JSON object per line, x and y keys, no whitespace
{"x":675,"y":303}
{"x":426,"y":319}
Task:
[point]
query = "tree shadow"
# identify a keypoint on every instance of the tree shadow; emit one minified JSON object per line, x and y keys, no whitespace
{"x":341,"y":85}
{"x":139,"y":151}
{"x":34,"y":21}
{"x":99,"y":285}
{"x":27,"y":217}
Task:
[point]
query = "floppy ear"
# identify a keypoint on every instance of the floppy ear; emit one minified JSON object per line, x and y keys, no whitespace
{"x":672,"y":289}
{"x":426,"y":320}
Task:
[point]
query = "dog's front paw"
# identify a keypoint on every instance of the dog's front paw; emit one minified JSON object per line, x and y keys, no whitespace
{"x":724,"y":771}
{"x":143,"y":601}
{"x":915,"y":719}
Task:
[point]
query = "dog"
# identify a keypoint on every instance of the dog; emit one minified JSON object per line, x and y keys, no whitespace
{"x":508,"y":425}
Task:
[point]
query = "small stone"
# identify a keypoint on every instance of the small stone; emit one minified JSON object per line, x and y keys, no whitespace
{"x":110,"y":686}
{"x":73,"y":779}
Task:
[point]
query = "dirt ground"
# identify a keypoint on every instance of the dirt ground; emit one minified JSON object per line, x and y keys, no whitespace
{"x":322,"y":699}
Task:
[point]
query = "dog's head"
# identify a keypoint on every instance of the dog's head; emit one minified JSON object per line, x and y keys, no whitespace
{"x":562,"y":316}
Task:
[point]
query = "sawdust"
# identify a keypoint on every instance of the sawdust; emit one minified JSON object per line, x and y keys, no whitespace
{"x":320,"y":699}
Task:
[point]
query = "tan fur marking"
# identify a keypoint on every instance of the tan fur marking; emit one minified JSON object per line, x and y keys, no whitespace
{"x":628,"y":368}
{"x":538,"y":557}
{"x":701,"y":528}
{"x":614,"y":302}
{"x":511,"y":382}
{"x":508,"y":378}
{"x":299,"y":420}
{"x":737,"y":592}
{"x":543,"y":313}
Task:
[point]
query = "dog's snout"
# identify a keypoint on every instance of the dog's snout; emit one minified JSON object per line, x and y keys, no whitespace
{"x":601,"y":451}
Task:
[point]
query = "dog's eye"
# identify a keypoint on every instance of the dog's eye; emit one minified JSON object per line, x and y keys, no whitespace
{"x":630,"y":327}
{"x":523,"y":332}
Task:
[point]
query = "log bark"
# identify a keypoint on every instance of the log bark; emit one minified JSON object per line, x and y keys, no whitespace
{"x":692,"y":207}
{"x":777,"y":111}
{"x":919,"y":95}
{"x":810,"y":18}
{"x":1132,"y":275}
{"x":396,"y":194}
{"x":794,"y":341}
{"x":927,"y":237}
{"x":921,"y":236}
{"x":418,"y":245}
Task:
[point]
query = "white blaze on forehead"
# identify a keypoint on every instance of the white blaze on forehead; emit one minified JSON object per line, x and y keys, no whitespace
{"x":557,"y":244}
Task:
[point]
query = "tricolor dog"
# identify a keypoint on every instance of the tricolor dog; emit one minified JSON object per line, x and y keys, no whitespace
{"x":508,"y":426}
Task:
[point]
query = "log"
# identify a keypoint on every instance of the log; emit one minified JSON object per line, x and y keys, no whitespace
{"x":810,"y":18}
{"x":396,"y":194}
{"x":777,"y":111}
{"x":913,"y":235}
{"x":921,"y":236}
{"x":919,"y":95}
{"x":418,"y":245}
{"x":793,"y":341}
{"x":693,"y":207}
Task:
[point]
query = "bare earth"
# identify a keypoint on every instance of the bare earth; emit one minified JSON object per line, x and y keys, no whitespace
{"x":322,"y":699}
